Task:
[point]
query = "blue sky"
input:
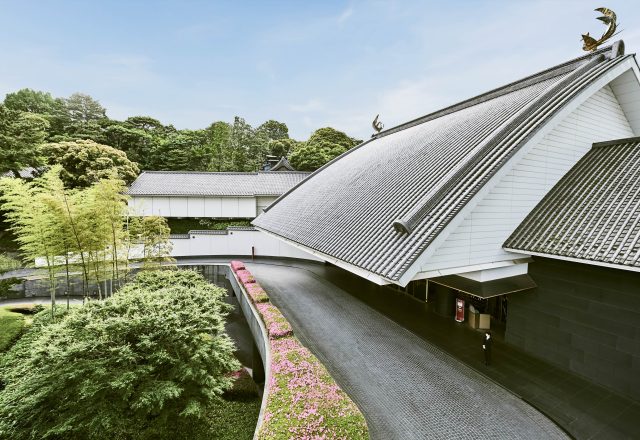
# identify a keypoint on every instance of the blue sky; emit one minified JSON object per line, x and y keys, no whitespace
{"x":309,"y":64}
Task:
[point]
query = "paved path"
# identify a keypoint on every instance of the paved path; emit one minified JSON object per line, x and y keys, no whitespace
{"x":406,"y":387}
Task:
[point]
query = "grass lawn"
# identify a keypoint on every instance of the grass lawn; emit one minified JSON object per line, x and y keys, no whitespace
{"x":11,"y":326}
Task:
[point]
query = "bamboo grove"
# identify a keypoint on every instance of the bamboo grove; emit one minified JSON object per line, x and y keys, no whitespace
{"x":85,"y":232}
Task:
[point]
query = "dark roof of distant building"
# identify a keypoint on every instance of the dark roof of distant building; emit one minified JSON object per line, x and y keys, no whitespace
{"x":282,"y":165}
{"x":193,"y":183}
{"x":381,"y":204}
{"x":593,"y":212}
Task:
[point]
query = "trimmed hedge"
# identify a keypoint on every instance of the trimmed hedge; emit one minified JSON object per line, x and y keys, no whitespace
{"x":303,"y":401}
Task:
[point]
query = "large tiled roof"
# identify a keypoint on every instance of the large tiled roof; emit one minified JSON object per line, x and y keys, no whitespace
{"x":380,"y":205}
{"x":593,"y":212}
{"x":183,"y":183}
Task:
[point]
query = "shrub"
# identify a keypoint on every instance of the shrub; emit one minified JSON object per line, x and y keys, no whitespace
{"x":304,"y":401}
{"x":237,"y":265}
{"x":277,"y":325}
{"x":245,"y":277}
{"x":7,"y":263}
{"x":257,"y":293}
{"x":141,"y":364}
{"x":11,"y":325}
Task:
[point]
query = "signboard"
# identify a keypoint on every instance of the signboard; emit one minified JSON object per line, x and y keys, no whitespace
{"x":459,"y":310}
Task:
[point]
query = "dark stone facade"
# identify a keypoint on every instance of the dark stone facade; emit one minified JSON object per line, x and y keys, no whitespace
{"x":582,"y":318}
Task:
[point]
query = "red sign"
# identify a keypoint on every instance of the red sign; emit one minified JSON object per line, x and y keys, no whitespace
{"x":459,"y":310}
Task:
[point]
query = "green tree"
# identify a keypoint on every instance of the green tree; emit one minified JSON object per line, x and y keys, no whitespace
{"x":217,"y":136}
{"x":83,"y":109}
{"x":323,"y":145}
{"x":282,"y":147}
{"x":143,"y":364}
{"x":43,"y":104}
{"x":21,"y":136}
{"x":274,"y":130}
{"x":332,"y":136}
{"x":85,"y":162}
{"x":28,"y":208}
{"x":184,"y":150}
{"x":152,"y":234}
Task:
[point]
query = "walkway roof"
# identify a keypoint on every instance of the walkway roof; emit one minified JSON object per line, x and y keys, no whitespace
{"x":593,"y":212}
{"x":376,"y":208}
{"x":190,"y":183}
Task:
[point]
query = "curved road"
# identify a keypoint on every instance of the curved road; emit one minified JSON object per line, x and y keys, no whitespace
{"x":406,"y":387}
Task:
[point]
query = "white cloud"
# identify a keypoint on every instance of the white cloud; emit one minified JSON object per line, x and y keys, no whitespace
{"x":345,"y":15}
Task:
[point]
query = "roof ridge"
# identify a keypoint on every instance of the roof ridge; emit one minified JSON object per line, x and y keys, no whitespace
{"x":527,"y":81}
{"x":616,"y":142}
{"x":244,"y":173}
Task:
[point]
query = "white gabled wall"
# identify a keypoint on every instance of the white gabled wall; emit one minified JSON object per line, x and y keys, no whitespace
{"x":479,"y":237}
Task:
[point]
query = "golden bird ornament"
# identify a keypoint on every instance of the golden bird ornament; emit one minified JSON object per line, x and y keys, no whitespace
{"x":609,"y":19}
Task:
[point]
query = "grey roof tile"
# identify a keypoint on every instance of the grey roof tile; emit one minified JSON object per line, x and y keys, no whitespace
{"x":420,"y":174}
{"x":593,"y":212}
{"x":185,"y":183}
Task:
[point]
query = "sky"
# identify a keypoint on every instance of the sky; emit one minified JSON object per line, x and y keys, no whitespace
{"x":309,"y":64}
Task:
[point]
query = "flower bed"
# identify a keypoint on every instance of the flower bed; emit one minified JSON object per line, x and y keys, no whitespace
{"x":303,"y":400}
{"x":277,"y":325}
{"x":237,"y":265}
{"x":256,"y":292}
{"x":245,"y":277}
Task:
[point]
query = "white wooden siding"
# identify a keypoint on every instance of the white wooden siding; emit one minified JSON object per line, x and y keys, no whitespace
{"x":479,"y":237}
{"x":214,"y":207}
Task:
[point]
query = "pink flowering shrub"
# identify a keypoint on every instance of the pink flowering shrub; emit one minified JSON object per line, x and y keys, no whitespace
{"x":256,"y":292}
{"x":237,"y":265}
{"x":304,"y":402}
{"x":276,"y":324}
{"x":245,"y":277}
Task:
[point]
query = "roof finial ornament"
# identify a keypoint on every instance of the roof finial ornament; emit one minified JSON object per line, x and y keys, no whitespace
{"x":609,"y":18}
{"x":377,"y":125}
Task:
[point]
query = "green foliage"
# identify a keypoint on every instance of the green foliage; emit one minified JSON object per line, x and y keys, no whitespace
{"x":8,"y":263}
{"x":6,"y":284}
{"x":324,"y":145}
{"x":282,"y":147}
{"x":222,"y":146}
{"x":311,"y":157}
{"x":43,"y":104}
{"x":85,"y":162}
{"x":184,"y":225}
{"x":145,"y":363}
{"x":11,"y":326}
{"x":152,"y":233}
{"x":274,"y":130}
{"x":332,"y":136}
{"x":21,"y":135}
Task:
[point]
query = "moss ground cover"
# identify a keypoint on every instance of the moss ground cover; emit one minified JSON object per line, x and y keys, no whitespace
{"x":11,"y":327}
{"x":303,"y":402}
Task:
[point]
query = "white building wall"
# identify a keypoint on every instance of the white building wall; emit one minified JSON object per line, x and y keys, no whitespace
{"x":218,"y":207}
{"x":479,"y":238}
{"x":236,"y":243}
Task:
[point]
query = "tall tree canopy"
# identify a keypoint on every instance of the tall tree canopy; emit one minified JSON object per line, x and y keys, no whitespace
{"x":323,"y":145}
{"x":21,"y":136}
{"x":85,"y":162}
